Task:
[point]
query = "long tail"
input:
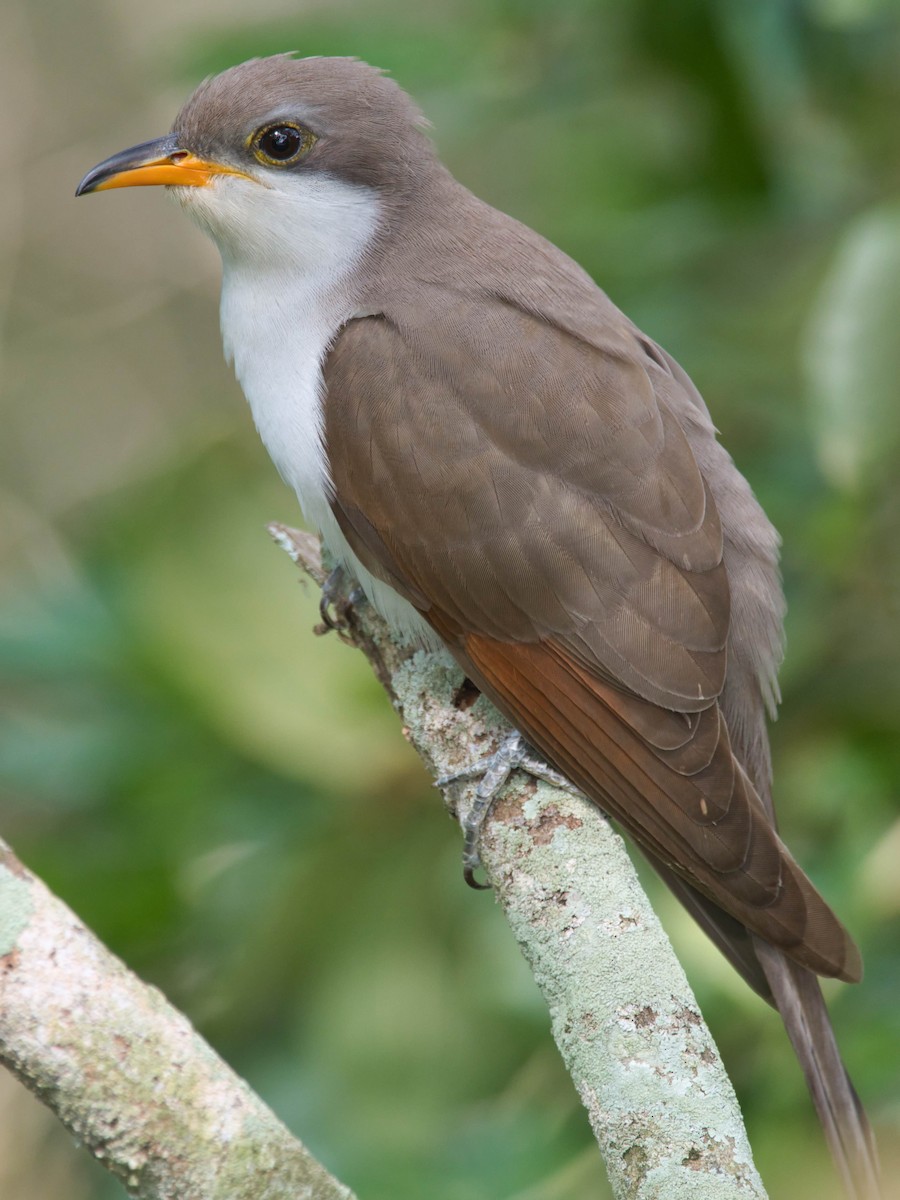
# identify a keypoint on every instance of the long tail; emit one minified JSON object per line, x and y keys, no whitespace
{"x":801,"y":1004}
{"x":680,"y":792}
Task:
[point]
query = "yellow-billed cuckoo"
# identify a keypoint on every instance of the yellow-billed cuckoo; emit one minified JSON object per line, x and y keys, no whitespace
{"x":510,"y":467}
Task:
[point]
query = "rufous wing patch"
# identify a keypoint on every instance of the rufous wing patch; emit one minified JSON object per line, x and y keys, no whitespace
{"x":690,"y":805}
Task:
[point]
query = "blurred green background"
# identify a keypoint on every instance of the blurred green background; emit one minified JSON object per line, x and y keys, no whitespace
{"x":227,"y":800}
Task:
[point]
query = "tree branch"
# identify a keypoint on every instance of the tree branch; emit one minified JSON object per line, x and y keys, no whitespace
{"x":126,"y":1073}
{"x":622,"y":1013}
{"x":131,"y":1079}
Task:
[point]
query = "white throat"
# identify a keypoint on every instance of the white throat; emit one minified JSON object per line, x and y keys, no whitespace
{"x":284,"y":301}
{"x":286,"y":291}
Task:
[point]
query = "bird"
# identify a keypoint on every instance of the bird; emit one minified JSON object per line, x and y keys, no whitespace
{"x":511,"y":469}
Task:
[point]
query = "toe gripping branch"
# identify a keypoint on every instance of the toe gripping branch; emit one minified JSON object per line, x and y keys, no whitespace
{"x":336,"y":602}
{"x":513,"y":754}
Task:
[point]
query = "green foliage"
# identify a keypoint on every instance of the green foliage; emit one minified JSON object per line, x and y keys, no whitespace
{"x":228,"y":800}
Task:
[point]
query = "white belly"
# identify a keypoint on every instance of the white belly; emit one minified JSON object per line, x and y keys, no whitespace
{"x":277,"y":337}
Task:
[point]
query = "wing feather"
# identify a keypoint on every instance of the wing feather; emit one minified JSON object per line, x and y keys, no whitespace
{"x":538,"y":500}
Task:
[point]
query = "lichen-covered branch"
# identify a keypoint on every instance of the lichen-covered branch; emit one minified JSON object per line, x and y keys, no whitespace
{"x":125,"y":1071}
{"x":135,"y":1083}
{"x":622,"y":1012}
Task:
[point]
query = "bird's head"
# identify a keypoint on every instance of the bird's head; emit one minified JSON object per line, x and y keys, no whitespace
{"x":284,"y":157}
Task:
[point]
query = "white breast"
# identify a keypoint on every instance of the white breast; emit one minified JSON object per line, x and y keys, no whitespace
{"x":278,"y":321}
{"x":276,"y":332}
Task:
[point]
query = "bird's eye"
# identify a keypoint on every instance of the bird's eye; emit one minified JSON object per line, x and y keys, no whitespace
{"x":278,"y":145}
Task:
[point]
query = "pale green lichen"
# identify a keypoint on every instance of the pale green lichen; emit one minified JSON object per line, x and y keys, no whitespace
{"x":126,"y":1073}
{"x":264,"y":1166}
{"x":622,"y":1013}
{"x":16,"y":904}
{"x":647,"y":1069}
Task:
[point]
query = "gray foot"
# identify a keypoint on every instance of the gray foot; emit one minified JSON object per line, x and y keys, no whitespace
{"x":336,"y":599}
{"x":513,"y":754}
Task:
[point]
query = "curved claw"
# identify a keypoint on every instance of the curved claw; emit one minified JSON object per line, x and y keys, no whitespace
{"x":513,"y":754}
{"x":331,"y":590}
{"x":324,"y":612}
{"x":471,"y":857}
{"x":333,"y":598}
{"x":469,"y":877}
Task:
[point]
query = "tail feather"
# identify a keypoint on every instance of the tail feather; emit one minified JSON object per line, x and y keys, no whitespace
{"x":695,"y":813}
{"x":732,"y":938}
{"x":801,"y":1004}
{"x":796,"y":993}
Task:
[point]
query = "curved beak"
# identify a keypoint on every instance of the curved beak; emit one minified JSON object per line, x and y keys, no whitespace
{"x":161,"y":161}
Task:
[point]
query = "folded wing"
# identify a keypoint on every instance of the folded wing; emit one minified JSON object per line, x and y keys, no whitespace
{"x":542,"y":507}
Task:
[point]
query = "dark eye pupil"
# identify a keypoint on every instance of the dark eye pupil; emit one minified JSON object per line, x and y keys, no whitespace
{"x":280,"y":143}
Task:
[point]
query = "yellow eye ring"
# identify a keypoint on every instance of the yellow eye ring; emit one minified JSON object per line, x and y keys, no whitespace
{"x":282,"y":143}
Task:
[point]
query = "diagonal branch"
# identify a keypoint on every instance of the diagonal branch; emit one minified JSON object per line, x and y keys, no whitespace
{"x":126,"y":1073}
{"x":131,"y":1079}
{"x":622,"y":1013}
